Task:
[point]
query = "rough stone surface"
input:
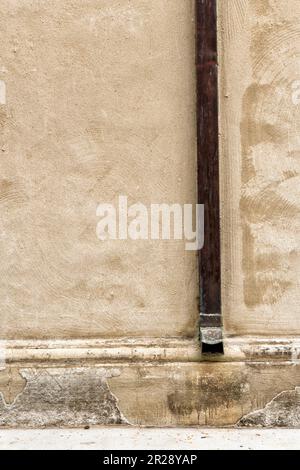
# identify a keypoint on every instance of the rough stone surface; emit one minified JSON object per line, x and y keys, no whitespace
{"x":283,"y":410}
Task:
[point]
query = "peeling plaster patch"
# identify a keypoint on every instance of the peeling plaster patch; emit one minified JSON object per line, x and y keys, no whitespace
{"x":282,"y":410}
{"x":63,"y":397}
{"x":211,"y":394}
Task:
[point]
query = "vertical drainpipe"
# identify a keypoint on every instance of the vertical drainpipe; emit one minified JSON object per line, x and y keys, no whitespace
{"x":208,"y":175}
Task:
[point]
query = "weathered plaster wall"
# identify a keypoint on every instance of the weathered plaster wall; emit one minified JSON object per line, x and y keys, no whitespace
{"x":259,"y":45}
{"x":99,"y":102}
{"x":96,"y":100}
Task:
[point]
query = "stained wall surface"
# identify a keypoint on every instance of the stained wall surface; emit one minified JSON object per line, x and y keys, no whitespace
{"x":97,"y":100}
{"x":259,"y":44}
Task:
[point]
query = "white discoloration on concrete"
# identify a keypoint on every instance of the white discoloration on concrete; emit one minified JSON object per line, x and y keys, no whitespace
{"x":283,"y":410}
{"x":2,"y":354}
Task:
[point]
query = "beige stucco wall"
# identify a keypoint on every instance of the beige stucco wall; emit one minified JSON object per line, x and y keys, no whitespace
{"x":100,"y":102}
{"x":260,"y":150}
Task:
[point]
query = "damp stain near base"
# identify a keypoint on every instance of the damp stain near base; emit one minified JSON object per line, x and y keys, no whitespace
{"x":282,"y":411}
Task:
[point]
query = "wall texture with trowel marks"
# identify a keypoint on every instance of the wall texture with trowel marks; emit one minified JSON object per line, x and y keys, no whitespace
{"x":260,"y":120}
{"x":97,"y":99}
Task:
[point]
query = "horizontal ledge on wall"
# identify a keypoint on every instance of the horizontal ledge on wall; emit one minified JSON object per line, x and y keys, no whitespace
{"x":100,"y":350}
{"x":79,"y":351}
